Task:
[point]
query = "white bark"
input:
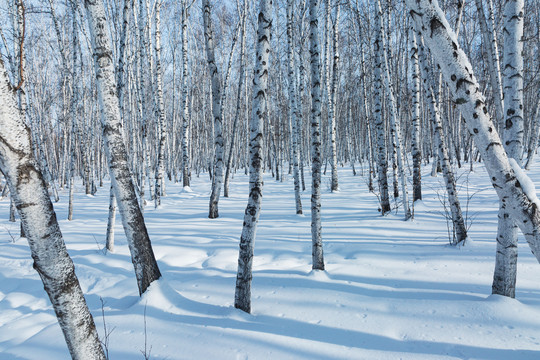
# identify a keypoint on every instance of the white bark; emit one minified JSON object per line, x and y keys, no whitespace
{"x":241,"y":79}
{"x":394,"y":124}
{"x":457,"y":72}
{"x":184,"y":102}
{"x":142,"y":255}
{"x":414,"y":84}
{"x":533,"y":145}
{"x":504,"y":277}
{"x":489,"y":38}
{"x":458,"y":223}
{"x":162,"y":131}
{"x":242,"y":297}
{"x":51,"y":260}
{"x":332,"y":111}
{"x":109,"y":239}
{"x":316,"y":227}
{"x":382,"y":162}
{"x":293,"y":106}
{"x":217,"y":179}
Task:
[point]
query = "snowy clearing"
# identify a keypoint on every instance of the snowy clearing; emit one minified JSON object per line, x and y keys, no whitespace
{"x":391,"y":289}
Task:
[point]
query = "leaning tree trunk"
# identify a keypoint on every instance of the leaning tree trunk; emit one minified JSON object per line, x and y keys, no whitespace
{"x":316,"y":227}
{"x":217,"y":179}
{"x":51,"y":259}
{"x":504,"y":277}
{"x":509,"y":180}
{"x":142,"y":255}
{"x":294,"y":115}
{"x":458,"y":223}
{"x":242,"y":296}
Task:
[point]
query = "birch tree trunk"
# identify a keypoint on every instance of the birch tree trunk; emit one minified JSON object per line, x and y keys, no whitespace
{"x":414,"y":83}
{"x":241,"y":79}
{"x":111,"y":220}
{"x":379,"y":125}
{"x":162,"y":133}
{"x":394,"y":124}
{"x":51,"y":260}
{"x":533,"y":145}
{"x":316,"y":227}
{"x":217,"y":179}
{"x":109,"y":239}
{"x":332,"y":99}
{"x":142,"y":255}
{"x":510,"y":182}
{"x":293,"y":106}
{"x":242,"y":296}
{"x":185,"y":104}
{"x":458,"y":224}
{"x":489,"y":38}
{"x":504,"y":277}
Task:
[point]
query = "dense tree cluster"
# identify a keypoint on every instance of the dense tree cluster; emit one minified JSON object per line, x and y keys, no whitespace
{"x":149,"y":90}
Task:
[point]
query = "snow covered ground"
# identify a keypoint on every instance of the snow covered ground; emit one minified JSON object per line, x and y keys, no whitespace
{"x":391,"y":290}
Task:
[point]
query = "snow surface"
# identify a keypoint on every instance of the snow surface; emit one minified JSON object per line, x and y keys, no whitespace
{"x":392,"y":289}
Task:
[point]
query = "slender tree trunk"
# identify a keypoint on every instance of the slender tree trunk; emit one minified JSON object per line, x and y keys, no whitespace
{"x":241,"y":79}
{"x":142,"y":255}
{"x":185,"y":105}
{"x":533,"y":144}
{"x":316,"y":227}
{"x":293,"y":110}
{"x":414,"y":84}
{"x":242,"y":297}
{"x":458,"y":223}
{"x":394,"y":124}
{"x":379,"y":125}
{"x":489,"y":38}
{"x":332,"y":109}
{"x":504,"y":277}
{"x":217,"y":179}
{"x":162,"y":132}
{"x":111,"y":221}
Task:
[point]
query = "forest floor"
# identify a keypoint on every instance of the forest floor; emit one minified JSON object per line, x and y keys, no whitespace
{"x":392,"y":289}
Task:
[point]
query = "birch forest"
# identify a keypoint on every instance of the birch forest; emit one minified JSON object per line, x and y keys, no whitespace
{"x":144,"y":101}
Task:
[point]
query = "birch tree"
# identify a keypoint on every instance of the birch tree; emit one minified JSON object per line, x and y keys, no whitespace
{"x":241,"y":80}
{"x":51,"y":259}
{"x":162,"y":138}
{"x":217,"y":178}
{"x":184,"y":102}
{"x":242,"y":296}
{"x":293,"y":110}
{"x":395,"y":132}
{"x":142,"y":255}
{"x":316,"y":226}
{"x":489,"y":41}
{"x":505,"y":175}
{"x":382,"y":162}
{"x":458,"y":223}
{"x":414,"y":84}
{"x":332,"y":95}
{"x":504,"y":277}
